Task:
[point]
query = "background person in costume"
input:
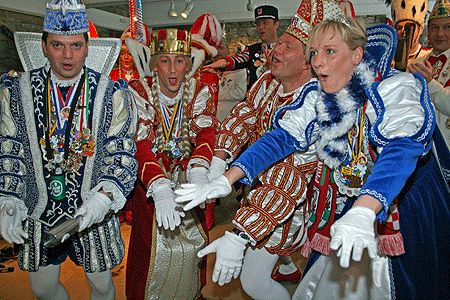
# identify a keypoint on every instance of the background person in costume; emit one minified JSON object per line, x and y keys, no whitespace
{"x":54,"y":177}
{"x":127,"y":69}
{"x":275,"y":217}
{"x":435,"y":68}
{"x":137,"y":31}
{"x":363,"y":96}
{"x":232,"y":84}
{"x":408,"y":17}
{"x":256,"y":57}
{"x":175,"y":143}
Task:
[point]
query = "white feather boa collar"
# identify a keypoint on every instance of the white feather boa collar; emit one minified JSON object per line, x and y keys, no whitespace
{"x":336,"y":113}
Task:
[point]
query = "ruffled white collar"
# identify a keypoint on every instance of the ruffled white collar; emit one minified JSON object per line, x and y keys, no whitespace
{"x":62,"y":82}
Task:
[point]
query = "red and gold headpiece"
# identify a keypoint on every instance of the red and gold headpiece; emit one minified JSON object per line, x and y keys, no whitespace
{"x":171,"y":41}
{"x":310,"y":13}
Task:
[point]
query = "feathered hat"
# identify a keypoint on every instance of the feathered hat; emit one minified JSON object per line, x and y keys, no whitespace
{"x":206,"y":34}
{"x":143,"y":38}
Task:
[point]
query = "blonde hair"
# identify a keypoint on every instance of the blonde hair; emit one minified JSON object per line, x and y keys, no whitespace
{"x":160,"y":137}
{"x":353,"y":33}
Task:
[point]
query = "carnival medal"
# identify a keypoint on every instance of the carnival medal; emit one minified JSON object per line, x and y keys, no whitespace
{"x":58,"y":185}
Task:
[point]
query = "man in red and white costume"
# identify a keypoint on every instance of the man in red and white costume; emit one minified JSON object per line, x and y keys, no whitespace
{"x":274,"y":219}
{"x":175,"y":142}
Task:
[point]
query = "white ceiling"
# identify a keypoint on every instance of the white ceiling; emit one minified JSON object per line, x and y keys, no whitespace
{"x":155,"y":11}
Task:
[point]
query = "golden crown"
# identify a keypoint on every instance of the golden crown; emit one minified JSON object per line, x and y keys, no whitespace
{"x":171,"y":41}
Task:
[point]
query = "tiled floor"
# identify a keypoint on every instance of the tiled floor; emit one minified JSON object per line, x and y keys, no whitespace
{"x":15,"y":285}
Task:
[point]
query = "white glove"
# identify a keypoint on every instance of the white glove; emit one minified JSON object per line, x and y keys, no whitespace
{"x":199,"y":193}
{"x":93,"y":210}
{"x":217,"y":168}
{"x":352,"y":233}
{"x":199,"y":175}
{"x":168,"y":212}
{"x":229,"y":254}
{"x":11,"y":224}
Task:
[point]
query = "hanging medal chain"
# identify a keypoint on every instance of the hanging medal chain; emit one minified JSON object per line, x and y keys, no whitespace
{"x":49,"y":131}
{"x":274,"y":108}
{"x":178,"y":111}
{"x":356,"y":143}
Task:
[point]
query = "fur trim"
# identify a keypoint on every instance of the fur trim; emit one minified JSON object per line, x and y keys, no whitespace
{"x":198,"y":57}
{"x":211,"y":49}
{"x":336,"y":114}
{"x":141,"y":56}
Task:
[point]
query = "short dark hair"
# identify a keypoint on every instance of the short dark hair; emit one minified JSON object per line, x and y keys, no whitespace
{"x":45,"y":36}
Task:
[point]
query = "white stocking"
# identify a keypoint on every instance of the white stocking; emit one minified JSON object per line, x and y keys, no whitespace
{"x":45,"y":283}
{"x":255,"y":276}
{"x":102,"y":285}
{"x":287,"y":266}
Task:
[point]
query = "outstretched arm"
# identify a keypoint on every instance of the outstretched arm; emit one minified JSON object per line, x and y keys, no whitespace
{"x":270,"y":148}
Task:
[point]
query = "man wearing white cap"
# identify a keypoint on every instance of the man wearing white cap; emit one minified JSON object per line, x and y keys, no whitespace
{"x":67,"y":152}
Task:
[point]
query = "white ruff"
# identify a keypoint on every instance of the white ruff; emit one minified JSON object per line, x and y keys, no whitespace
{"x":347,"y":106}
{"x":63,"y":82}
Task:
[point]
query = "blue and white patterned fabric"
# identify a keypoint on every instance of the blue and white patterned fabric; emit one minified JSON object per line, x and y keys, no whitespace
{"x":381,"y":44}
{"x":65,"y":17}
{"x":25,"y":175}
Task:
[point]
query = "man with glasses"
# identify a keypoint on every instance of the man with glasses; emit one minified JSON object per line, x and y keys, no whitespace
{"x":256,"y":57}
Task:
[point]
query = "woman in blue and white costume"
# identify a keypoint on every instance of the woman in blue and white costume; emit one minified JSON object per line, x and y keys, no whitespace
{"x":370,"y":153}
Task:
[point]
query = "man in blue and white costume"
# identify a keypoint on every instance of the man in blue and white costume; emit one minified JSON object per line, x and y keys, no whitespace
{"x":378,"y":159}
{"x":67,"y":151}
